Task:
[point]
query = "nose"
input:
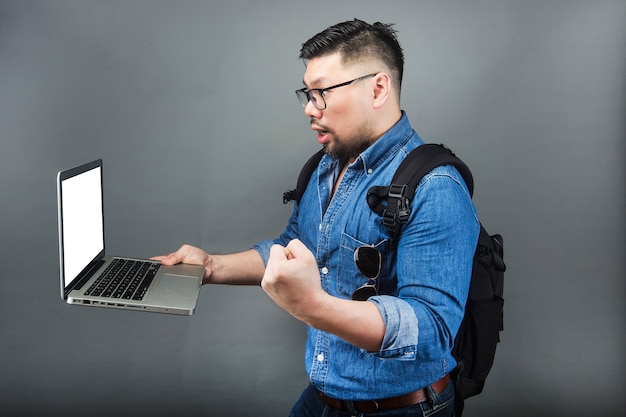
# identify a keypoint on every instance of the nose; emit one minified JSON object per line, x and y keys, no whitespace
{"x":311,"y":111}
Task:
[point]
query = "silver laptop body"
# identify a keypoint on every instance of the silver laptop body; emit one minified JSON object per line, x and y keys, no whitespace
{"x":82,"y":259}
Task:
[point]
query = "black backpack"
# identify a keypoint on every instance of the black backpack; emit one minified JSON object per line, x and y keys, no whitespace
{"x":475,"y":343}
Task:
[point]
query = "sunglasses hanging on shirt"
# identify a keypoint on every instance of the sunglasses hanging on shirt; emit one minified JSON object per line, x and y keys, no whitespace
{"x":368,"y":259}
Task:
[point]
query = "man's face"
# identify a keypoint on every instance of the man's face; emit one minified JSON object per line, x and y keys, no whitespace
{"x":343,"y":127}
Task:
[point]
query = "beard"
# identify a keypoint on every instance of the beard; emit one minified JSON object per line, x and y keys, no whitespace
{"x":349,"y":148}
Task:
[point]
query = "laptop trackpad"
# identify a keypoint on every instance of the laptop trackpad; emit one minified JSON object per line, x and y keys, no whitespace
{"x":178,"y":283}
{"x":176,"y":287}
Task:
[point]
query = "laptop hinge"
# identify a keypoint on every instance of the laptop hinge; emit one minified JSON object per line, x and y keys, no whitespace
{"x":84,"y":276}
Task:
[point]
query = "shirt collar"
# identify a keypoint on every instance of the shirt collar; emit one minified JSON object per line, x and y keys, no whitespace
{"x":388,"y":144}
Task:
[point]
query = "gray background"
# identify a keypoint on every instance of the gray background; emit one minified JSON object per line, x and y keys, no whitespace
{"x":191,"y":106}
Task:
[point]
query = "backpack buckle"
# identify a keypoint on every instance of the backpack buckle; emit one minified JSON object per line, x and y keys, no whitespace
{"x":396,"y":191}
{"x":398,"y":207}
{"x":390,"y":219}
{"x":397,"y":197}
{"x":289,"y":196}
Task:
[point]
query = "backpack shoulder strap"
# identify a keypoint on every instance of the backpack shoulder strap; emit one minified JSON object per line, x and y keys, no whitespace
{"x":303,"y":178}
{"x":399,"y":194}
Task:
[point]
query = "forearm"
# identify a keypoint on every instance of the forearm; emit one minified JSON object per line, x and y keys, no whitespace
{"x":242,"y":268}
{"x":357,"y":322}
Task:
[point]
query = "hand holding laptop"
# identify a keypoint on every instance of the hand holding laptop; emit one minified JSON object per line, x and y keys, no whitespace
{"x":188,"y":254}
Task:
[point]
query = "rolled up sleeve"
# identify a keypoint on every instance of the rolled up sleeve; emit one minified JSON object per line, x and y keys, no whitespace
{"x":401,"y":334}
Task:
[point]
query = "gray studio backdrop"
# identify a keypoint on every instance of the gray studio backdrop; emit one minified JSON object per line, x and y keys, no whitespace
{"x":191,"y":106}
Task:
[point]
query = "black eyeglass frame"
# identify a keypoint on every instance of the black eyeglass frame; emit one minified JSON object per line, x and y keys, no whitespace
{"x":369,"y":289}
{"x":305,"y":95}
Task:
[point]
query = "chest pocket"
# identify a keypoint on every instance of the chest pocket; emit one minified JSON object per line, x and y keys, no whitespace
{"x":349,"y":278}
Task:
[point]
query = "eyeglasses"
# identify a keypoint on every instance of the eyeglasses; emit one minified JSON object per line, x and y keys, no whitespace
{"x":316,"y":95}
{"x":368,"y":259}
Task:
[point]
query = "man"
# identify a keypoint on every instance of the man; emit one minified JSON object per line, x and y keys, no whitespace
{"x":382,"y":315}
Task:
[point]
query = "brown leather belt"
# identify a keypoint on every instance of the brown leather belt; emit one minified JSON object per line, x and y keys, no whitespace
{"x":370,"y":406}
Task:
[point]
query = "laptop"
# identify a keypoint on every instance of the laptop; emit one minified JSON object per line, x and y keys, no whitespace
{"x":89,"y":277}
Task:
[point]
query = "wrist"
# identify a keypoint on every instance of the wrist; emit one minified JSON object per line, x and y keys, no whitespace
{"x":209,"y":268}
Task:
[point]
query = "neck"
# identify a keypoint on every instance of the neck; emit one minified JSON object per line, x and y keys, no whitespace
{"x":386,"y":121}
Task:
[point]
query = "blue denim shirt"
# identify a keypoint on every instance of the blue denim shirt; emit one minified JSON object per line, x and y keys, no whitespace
{"x":424,"y":281}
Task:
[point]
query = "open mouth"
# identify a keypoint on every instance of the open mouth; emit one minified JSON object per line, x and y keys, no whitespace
{"x":322,"y":136}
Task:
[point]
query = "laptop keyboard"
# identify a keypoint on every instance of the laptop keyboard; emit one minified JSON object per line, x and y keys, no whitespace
{"x":124,"y":278}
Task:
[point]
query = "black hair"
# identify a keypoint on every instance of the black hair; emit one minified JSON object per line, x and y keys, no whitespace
{"x":358,"y":41}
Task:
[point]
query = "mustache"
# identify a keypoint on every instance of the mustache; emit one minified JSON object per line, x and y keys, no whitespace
{"x":314,"y":122}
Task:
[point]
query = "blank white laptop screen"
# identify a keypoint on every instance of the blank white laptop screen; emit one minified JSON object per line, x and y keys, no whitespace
{"x":83,"y":228}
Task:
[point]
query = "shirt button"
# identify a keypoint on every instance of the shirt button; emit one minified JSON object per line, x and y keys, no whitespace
{"x":324,"y":270}
{"x":320,"y":357}
{"x":370,"y":170}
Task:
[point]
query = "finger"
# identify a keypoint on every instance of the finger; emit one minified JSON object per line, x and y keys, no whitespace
{"x":170,"y":259}
{"x":279,"y":254}
{"x":297,"y":249}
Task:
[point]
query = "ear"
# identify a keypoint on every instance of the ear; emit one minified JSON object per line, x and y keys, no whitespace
{"x":382,"y":89}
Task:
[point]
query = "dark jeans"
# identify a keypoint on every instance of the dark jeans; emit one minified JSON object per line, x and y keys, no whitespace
{"x":439,"y":405}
